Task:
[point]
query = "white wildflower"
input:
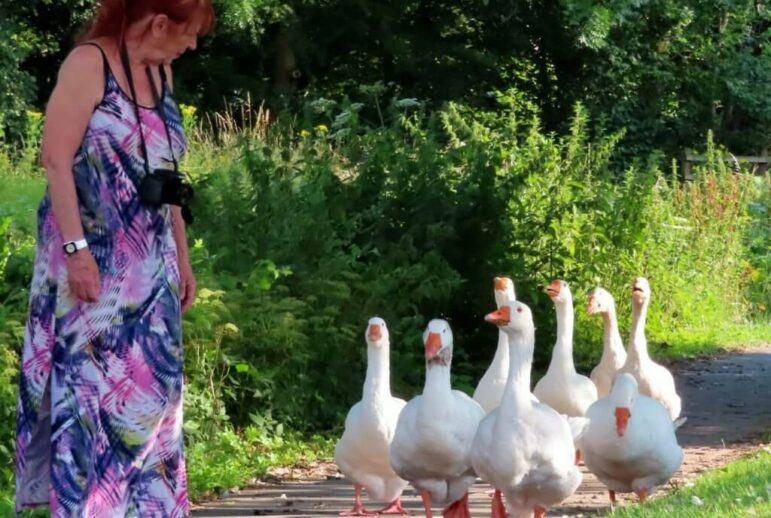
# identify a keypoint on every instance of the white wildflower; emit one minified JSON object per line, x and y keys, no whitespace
{"x":695,"y":500}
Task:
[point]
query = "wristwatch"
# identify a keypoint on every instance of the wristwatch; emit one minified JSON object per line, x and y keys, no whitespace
{"x":70,"y":247}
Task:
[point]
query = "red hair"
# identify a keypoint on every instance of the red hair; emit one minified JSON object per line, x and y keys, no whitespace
{"x":114,"y":16}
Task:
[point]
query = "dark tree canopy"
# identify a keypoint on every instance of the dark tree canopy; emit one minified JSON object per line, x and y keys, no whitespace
{"x":666,"y":71}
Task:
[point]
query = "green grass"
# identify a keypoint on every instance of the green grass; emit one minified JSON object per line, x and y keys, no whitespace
{"x":742,"y":488}
{"x":19,"y":198}
{"x":691,"y":342}
{"x":233,"y":459}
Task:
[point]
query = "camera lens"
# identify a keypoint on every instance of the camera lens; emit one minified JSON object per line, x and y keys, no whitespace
{"x":185,"y":193}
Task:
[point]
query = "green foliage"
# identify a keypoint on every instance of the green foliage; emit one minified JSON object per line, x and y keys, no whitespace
{"x":738,"y":489}
{"x":442,"y":148}
{"x":312,"y":226}
{"x":757,"y":264}
{"x":34,"y":36}
{"x":232,"y":459}
{"x":308,"y":226}
{"x":667,"y":72}
{"x":15,"y":85}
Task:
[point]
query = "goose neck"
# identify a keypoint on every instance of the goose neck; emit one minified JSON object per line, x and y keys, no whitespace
{"x":612,"y":344}
{"x":377,"y":383}
{"x":517,"y":390}
{"x":562,"y":355}
{"x":638,"y":345}
{"x":437,"y":383}
{"x":500,"y":362}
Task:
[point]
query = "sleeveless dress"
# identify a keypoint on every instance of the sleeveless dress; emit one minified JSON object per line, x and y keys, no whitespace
{"x":99,"y":425}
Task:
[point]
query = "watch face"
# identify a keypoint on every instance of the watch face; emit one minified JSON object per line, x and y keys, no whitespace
{"x":70,"y":248}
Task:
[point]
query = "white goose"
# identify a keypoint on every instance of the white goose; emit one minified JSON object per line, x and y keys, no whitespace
{"x":362,"y":454}
{"x":562,"y":388}
{"x":490,"y":387}
{"x":653,"y":380}
{"x":523,"y":448}
{"x":432,"y":444}
{"x":613,"y":353}
{"x":630,"y":442}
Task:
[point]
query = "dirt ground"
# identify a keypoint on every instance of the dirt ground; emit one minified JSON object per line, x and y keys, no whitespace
{"x":726,"y":400}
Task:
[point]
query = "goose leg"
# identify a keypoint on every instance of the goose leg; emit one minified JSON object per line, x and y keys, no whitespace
{"x":499,"y":510}
{"x":426,"y":496}
{"x":358,"y":507}
{"x":579,"y":457}
{"x":394,"y":507}
{"x":539,"y":512}
{"x":612,"y":495}
{"x":458,"y":509}
{"x":642,"y":493}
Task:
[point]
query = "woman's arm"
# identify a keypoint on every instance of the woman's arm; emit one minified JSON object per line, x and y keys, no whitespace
{"x":78,"y":90}
{"x":180,"y":235}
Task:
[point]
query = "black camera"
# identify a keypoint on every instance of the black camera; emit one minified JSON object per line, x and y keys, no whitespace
{"x":165,"y":186}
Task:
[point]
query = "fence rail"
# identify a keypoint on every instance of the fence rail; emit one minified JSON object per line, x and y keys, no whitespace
{"x":759,"y":164}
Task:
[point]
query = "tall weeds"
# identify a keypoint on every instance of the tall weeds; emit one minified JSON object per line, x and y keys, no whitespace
{"x":307,"y":227}
{"x":311,"y":226}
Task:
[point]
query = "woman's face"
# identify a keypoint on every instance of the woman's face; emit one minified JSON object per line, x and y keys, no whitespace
{"x":168,"y":40}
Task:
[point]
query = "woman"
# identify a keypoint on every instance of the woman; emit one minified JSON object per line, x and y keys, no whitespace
{"x":99,"y":429}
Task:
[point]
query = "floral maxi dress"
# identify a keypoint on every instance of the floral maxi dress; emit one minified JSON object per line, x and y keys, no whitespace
{"x":99,"y":425}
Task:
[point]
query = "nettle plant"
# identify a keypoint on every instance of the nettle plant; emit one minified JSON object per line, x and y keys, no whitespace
{"x":312,"y":225}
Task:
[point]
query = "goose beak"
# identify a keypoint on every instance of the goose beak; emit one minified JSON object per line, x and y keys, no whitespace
{"x":500,"y":284}
{"x":433,"y":345}
{"x":500,"y":317}
{"x":622,"y":419}
{"x":553,"y":289}
{"x":375,"y":333}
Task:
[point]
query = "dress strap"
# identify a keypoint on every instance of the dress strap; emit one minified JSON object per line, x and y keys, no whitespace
{"x":107,"y":69}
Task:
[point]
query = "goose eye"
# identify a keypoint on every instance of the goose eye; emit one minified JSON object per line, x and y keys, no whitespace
{"x":519,"y":310}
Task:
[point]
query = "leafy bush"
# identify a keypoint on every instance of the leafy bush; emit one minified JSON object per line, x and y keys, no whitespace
{"x":306,"y":227}
{"x":313,"y":225}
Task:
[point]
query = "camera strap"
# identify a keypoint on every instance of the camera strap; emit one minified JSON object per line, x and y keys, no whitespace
{"x":158,"y":103}
{"x":162,"y":109}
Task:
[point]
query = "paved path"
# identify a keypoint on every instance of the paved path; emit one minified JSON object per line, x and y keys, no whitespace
{"x":725,"y":398}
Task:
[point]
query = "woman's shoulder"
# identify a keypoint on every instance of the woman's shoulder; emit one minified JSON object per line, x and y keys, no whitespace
{"x":83,"y":73}
{"x":86,"y":60}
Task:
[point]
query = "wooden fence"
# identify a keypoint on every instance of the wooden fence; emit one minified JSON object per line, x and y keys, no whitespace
{"x":759,"y":164}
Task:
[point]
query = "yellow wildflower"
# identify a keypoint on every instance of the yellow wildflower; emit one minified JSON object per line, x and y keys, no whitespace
{"x":305,"y":133}
{"x":231,"y":328}
{"x":188,"y":111}
{"x":322,"y":128}
{"x":34,"y":116}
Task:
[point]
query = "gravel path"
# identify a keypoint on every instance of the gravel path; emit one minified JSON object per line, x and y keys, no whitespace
{"x":725,"y":398}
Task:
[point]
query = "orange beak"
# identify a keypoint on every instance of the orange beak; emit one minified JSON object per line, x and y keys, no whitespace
{"x":622,"y":419}
{"x":500,"y":317}
{"x":375,"y":333}
{"x":433,"y":344}
{"x":500,"y":284}
{"x":553,"y":289}
{"x":591,"y":305}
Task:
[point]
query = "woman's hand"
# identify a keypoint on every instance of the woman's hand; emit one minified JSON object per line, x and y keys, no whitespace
{"x":83,"y":276}
{"x":186,"y":285}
